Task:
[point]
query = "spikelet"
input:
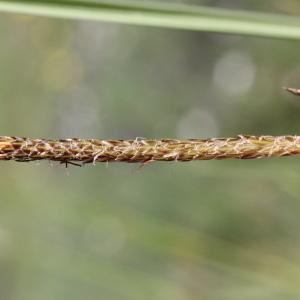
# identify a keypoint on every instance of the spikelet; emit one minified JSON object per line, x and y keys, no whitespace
{"x":143,"y":150}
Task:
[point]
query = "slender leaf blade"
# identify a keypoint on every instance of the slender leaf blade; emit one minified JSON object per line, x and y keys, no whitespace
{"x":163,"y":15}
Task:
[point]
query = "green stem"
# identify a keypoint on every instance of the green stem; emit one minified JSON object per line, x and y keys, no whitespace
{"x":163,"y":15}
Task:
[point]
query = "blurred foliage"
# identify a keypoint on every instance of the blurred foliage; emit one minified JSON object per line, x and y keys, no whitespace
{"x":162,"y":15}
{"x":206,"y":230}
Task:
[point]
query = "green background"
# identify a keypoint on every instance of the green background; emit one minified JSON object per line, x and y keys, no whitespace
{"x":202,"y":230}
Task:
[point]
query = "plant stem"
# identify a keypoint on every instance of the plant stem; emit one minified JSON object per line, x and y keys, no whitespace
{"x":143,"y":151}
{"x":162,"y":15}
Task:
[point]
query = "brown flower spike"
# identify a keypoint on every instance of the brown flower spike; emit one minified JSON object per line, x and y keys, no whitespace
{"x":292,"y":90}
{"x":143,"y":151}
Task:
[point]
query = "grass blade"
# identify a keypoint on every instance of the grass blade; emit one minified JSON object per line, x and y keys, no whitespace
{"x":163,"y":15}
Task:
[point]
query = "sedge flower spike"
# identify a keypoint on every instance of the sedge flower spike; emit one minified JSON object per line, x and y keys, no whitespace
{"x":292,"y":91}
{"x":144,"y":151}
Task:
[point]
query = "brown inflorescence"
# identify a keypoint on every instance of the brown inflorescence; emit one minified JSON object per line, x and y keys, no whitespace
{"x":292,"y":91}
{"x":144,"y":150}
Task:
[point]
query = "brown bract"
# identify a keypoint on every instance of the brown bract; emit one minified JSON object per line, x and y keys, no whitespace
{"x":143,"y":150}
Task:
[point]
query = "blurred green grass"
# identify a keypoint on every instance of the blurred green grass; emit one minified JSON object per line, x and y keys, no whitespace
{"x":162,"y":15}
